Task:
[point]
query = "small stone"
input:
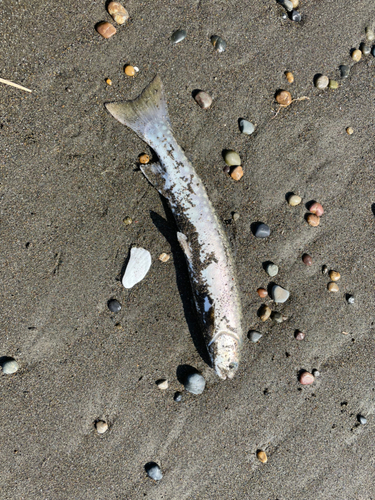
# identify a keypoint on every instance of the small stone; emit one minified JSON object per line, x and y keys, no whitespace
{"x":195,"y":383}
{"x":108,"y":81}
{"x":349,"y":130}
{"x":231,"y":158}
{"x":334,"y":275}
{"x":203,"y":99}
{"x":295,"y":16}
{"x":264,"y":312}
{"x":153,"y":471}
{"x":235,"y":216}
{"x":127,"y":221}
{"x":362,"y":420}
{"x":262,"y":231}
{"x":164,"y":257}
{"x":373,"y":51}
{"x":144,"y":159}
{"x":306,"y":378}
{"x":284,"y":16}
{"x":350,"y":299}
{"x":313,"y":220}
{"x":277,"y":317}
{"x":177,"y":397}
{"x":365,"y":49}
{"x":356,"y":55}
{"x":272,"y":269}
{"x":344,"y":71}
{"x":295,"y":4}
{"x":219,"y":44}
{"x":9,"y":366}
{"x":114,"y":306}
{"x":289,"y":76}
{"x":254,"y":336}
{"x":226,"y":169}
{"x":105,"y":29}
{"x":162,"y":384}
{"x":333,"y":84}
{"x":246,"y":127}
{"x":370,"y":35}
{"x":322,"y":82}
{"x":325,"y":269}
{"x":283,"y":97}
{"x":307,"y":259}
{"x":279,"y":294}
{"x":294,"y":200}
{"x":118,"y":12}
{"x":129,"y":70}
{"x":101,"y":426}
{"x":237,"y":173}
{"x":178,"y":36}
{"x":262,"y":292}
{"x":287,"y":4}
{"x":299,"y":335}
{"x":317,"y":209}
{"x":262,"y":456}
{"x":316,"y":373}
{"x":333,"y":287}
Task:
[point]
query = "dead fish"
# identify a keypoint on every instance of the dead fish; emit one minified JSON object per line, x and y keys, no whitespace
{"x":200,"y":235}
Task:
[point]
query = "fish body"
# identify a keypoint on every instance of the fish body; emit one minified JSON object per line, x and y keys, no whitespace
{"x":200,"y":235}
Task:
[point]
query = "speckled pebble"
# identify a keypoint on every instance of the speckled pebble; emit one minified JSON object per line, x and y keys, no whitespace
{"x":295,"y":16}
{"x":178,"y":36}
{"x":294,"y":200}
{"x":333,"y":287}
{"x":101,"y":426}
{"x":272,"y":269}
{"x":195,"y":383}
{"x":203,"y":99}
{"x":219,"y":43}
{"x":254,"y":336}
{"x":279,"y":294}
{"x":350,"y":299}
{"x":356,"y":55}
{"x":365,"y":49}
{"x":322,"y":82}
{"x":264,"y":312}
{"x":307,"y":259}
{"x":262,"y":231}
{"x":231,"y":158}
{"x":114,"y":305}
{"x":154,"y":472}
{"x":344,"y":71}
{"x":177,"y":397}
{"x":246,"y":127}
{"x":306,"y":378}
{"x":9,"y":366}
{"x":362,"y":420}
{"x":119,"y":14}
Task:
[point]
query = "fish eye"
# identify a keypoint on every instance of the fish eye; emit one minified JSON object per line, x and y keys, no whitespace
{"x":233,"y":365}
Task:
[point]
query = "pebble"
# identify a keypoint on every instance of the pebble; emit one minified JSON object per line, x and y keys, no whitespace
{"x":370,"y":35}
{"x":9,"y":366}
{"x":317,"y":209}
{"x":307,"y":259}
{"x":164,"y":257}
{"x":219,"y":44}
{"x":235,"y":216}
{"x":362,"y":420}
{"x":178,"y":36}
{"x":262,"y":292}
{"x":349,"y":130}
{"x":344,"y":71}
{"x":177,"y":397}
{"x":365,"y":49}
{"x":333,"y":84}
{"x":264,"y":312}
{"x":284,"y":16}
{"x":299,"y":335}
{"x":373,"y":51}
{"x":356,"y":55}
{"x":295,"y":16}
{"x":283,"y":97}
{"x":279,"y":294}
{"x":127,"y":221}
{"x":277,"y":317}
{"x":333,"y":287}
{"x":101,"y":427}
{"x":226,"y":169}
{"x":195,"y":383}
{"x":114,"y":305}
{"x":154,"y":472}
{"x":232,"y":158}
{"x":334,"y":275}
{"x":289,"y":76}
{"x":294,"y":200}
{"x":144,"y":159}
{"x":262,"y":456}
{"x":118,"y":12}
{"x":237,"y":173}
{"x":306,"y":378}
{"x":313,"y":220}
{"x":325,"y":269}
{"x":108,"y":81}
{"x":203,"y":99}
{"x":316,"y":373}
{"x":162,"y":384}
{"x":272,"y":269}
{"x":254,"y":336}
{"x":262,"y":231}
{"x":130,"y":70}
{"x":287,"y":4}
{"x":322,"y":82}
{"x":350,"y":299}
{"x":246,"y":127}
{"x":106,"y":29}
{"x":295,"y":4}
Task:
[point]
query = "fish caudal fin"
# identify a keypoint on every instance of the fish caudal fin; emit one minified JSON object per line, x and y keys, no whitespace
{"x":145,"y":112}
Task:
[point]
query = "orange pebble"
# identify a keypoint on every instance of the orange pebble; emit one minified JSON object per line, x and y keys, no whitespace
{"x":129,"y":70}
{"x":289,"y":76}
{"x":283,"y":97}
{"x":237,"y":173}
{"x":105,"y":29}
{"x":108,"y":81}
{"x":313,"y":220}
{"x":262,"y":292}
{"x":144,"y":159}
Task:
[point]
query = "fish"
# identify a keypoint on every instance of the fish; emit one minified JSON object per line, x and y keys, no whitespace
{"x":200,"y":233}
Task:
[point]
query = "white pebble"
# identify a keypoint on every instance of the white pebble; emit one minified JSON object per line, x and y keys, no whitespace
{"x":101,"y":427}
{"x":254,"y":336}
{"x":162,"y":384}
{"x":154,"y":472}
{"x":10,"y":366}
{"x":195,"y":383}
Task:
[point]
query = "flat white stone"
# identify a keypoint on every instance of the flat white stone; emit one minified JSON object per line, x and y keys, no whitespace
{"x":137,"y":268}
{"x":279,"y":294}
{"x":10,"y":367}
{"x":254,"y":336}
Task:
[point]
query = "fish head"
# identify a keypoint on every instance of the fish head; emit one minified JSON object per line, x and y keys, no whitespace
{"x":224,"y":352}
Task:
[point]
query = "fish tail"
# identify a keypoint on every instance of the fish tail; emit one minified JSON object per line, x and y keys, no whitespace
{"x":144,"y":113}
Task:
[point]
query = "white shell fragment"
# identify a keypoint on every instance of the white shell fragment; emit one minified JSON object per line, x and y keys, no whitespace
{"x":137,"y":268}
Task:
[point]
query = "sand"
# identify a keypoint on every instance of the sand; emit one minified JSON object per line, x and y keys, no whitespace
{"x":69,"y":176}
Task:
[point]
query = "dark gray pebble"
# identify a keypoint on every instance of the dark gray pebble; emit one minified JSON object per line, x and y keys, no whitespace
{"x":177,"y":397}
{"x":344,"y":70}
{"x":178,"y":36}
{"x":262,"y":231}
{"x":295,"y":16}
{"x":114,"y":306}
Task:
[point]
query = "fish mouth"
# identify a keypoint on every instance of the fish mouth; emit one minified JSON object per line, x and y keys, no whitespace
{"x":227,"y":372}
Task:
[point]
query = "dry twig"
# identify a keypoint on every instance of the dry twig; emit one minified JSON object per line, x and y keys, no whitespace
{"x":7,"y":82}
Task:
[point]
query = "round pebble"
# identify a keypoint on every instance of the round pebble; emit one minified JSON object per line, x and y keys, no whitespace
{"x":101,"y":427}
{"x":262,"y":292}
{"x":162,"y":384}
{"x":295,"y":16}
{"x":295,"y":4}
{"x":154,"y":472}
{"x":362,"y":420}
{"x":325,"y":269}
{"x":9,"y":366}
{"x":254,"y":336}
{"x":195,"y":383}
{"x":129,"y":70}
{"x":350,"y":299}
{"x":283,"y":97}
{"x":203,"y":99}
{"x":334,"y":275}
{"x":289,"y":76}
{"x":307,"y":259}
{"x":317,"y":209}
{"x":279,"y":294}
{"x":344,"y":70}
{"x":333,"y":287}
{"x":306,"y":378}
{"x":333,"y":84}
{"x":272,"y":269}
{"x":277,"y":317}
{"x":164,"y":257}
{"x":356,"y":55}
{"x":237,"y":173}
{"x":127,"y":221}
{"x":118,"y":12}
{"x":322,"y":82}
{"x":349,"y":130}
{"x":178,"y":36}
{"x":313,"y":220}
{"x":299,"y":335}
{"x":105,"y":29}
{"x":232,"y":158}
{"x":365,"y":49}
{"x":294,"y":200}
{"x":246,"y":127}
{"x":219,"y":44}
{"x":235,"y":216}
{"x":262,"y":231}
{"x":370,"y":35}
{"x":177,"y":397}
{"x":264,"y":312}
{"x":114,"y":306}
{"x":144,"y":159}
{"x":262,"y":456}
{"x":316,"y":373}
